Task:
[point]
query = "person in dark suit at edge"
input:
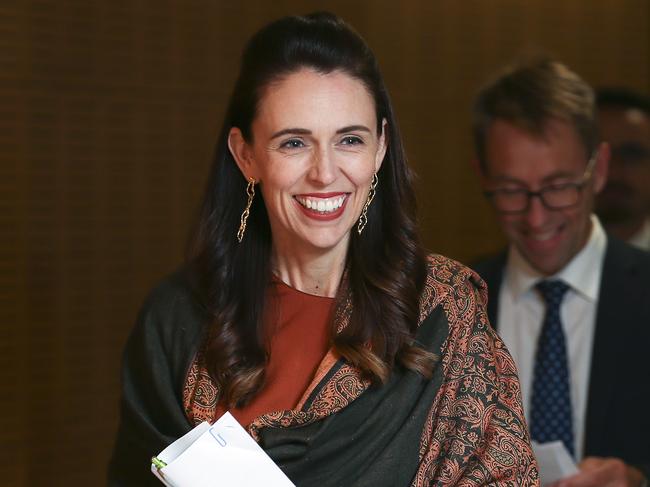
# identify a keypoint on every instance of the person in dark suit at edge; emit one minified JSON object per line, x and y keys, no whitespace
{"x":624,"y":203}
{"x":571,"y":302}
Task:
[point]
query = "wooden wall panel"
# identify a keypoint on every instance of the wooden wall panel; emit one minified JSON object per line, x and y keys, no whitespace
{"x":108,"y":115}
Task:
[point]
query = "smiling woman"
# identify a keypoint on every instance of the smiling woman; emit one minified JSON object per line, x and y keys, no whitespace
{"x":308,"y":308}
{"x":314,"y":150}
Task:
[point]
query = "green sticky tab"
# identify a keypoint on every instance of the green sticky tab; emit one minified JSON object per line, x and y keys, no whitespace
{"x":158,"y":463}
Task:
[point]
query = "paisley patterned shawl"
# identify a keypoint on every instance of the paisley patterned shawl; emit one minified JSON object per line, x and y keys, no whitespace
{"x":464,"y":427}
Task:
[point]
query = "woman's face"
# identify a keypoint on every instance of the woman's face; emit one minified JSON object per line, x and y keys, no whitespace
{"x":314,"y":151}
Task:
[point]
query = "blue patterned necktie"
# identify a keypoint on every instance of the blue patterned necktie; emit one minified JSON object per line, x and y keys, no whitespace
{"x":551,"y":413}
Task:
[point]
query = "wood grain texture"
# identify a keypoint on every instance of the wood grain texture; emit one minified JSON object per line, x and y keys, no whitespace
{"x":108,"y":116}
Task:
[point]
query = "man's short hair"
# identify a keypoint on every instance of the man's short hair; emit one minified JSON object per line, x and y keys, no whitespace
{"x":619,"y":97}
{"x":530,"y":94}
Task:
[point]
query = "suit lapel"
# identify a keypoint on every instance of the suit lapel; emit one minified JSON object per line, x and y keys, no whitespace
{"x":616,"y":299}
{"x":491,"y":271}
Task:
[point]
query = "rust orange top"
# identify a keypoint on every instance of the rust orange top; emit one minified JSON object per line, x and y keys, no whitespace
{"x":298,"y":326}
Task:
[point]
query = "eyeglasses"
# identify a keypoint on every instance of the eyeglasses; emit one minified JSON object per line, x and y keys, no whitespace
{"x":553,"y":196}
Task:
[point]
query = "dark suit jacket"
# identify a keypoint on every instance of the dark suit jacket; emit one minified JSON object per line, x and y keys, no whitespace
{"x":618,"y":404}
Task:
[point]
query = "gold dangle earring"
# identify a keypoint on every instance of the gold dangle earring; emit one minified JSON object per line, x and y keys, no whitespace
{"x":363,"y":219}
{"x":250,"y":191}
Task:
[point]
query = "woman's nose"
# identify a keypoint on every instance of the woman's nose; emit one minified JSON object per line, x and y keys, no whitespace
{"x":323,"y":168}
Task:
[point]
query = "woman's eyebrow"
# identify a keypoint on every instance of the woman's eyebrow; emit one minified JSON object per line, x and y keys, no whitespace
{"x":300,"y":131}
{"x":296,"y":131}
{"x":353,"y":128}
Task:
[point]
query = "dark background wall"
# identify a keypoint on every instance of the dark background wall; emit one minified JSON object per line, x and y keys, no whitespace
{"x":108,"y":115}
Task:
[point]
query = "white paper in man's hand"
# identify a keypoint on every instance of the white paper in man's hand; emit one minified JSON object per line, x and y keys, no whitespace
{"x":223,"y":454}
{"x":554,"y":461}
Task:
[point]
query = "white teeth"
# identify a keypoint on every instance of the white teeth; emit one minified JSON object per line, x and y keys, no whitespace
{"x":541,"y":237}
{"x":322,"y":205}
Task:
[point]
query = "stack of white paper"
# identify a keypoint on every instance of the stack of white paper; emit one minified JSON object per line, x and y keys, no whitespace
{"x":221,"y":454}
{"x":554,"y":461}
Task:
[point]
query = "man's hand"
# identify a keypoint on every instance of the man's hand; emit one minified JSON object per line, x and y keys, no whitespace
{"x":603,"y":472}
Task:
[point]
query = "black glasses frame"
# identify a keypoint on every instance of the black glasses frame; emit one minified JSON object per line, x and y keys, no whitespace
{"x":578,"y":186}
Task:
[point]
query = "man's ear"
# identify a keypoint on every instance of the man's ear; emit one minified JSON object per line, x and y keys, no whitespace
{"x":601,"y":168}
{"x":382,"y":145}
{"x":242,"y":153}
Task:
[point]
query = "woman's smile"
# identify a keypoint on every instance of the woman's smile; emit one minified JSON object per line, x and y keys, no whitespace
{"x":325,"y":206}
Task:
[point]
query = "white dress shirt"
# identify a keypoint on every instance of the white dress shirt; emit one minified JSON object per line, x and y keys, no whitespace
{"x":521,"y":313}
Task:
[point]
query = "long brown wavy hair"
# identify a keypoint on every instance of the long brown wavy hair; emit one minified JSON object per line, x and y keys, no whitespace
{"x":386,"y":267}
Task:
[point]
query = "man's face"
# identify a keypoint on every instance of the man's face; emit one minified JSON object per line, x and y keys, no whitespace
{"x":515,"y":159}
{"x":626,"y":195}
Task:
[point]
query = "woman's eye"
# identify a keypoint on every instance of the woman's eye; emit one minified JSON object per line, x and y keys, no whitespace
{"x":292,"y":144}
{"x":351,"y":140}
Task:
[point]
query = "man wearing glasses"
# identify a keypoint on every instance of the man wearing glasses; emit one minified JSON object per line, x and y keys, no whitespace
{"x":571,"y":303}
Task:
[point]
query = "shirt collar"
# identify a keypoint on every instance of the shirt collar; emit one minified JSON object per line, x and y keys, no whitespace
{"x":642,"y":238}
{"x":582,"y":273}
